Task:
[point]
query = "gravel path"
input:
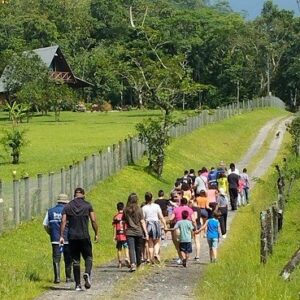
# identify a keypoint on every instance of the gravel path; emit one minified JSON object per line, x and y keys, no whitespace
{"x":169,"y":280}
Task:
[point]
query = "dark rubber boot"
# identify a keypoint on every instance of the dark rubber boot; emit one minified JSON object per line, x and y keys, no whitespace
{"x":56,"y":268}
{"x":68,"y":271}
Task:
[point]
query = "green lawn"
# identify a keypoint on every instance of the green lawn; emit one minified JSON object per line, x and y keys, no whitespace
{"x":53,"y":145}
{"x":25,"y":261}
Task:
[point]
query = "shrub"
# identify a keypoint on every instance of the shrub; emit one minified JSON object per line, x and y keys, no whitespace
{"x":13,"y":141}
{"x":105,"y":106}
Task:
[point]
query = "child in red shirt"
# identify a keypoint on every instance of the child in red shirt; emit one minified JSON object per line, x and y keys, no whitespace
{"x":120,"y":236}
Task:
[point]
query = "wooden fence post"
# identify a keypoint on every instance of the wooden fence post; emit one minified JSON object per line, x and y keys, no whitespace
{"x":291,"y":265}
{"x":108,"y":159}
{"x":39,"y":193}
{"x":121,"y":164}
{"x":27,"y":199}
{"x":1,"y":215}
{"x":101,"y":165}
{"x":94,"y":168}
{"x":50,"y":189}
{"x":275,"y":221}
{"x":263,"y":238}
{"x":269,"y":223}
{"x":16,"y":201}
{"x":62,"y":180}
{"x":115,"y":158}
{"x":131,"y":150}
{"x":85,"y":173}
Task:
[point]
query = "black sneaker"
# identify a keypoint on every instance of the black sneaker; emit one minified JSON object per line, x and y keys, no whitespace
{"x":87,"y":280}
{"x":184,"y":262}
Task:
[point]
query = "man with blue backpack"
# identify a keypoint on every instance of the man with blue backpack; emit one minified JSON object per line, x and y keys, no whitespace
{"x":51,"y":224}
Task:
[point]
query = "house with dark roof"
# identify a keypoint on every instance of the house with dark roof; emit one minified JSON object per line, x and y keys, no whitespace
{"x":58,"y":68}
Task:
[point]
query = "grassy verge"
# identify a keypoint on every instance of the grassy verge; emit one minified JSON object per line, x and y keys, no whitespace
{"x":239,"y":274}
{"x":25,"y":261}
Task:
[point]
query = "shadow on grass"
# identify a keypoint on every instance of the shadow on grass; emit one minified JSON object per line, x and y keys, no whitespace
{"x":145,"y":169}
{"x":141,"y":115}
{"x":7,"y":163}
{"x":58,"y":122}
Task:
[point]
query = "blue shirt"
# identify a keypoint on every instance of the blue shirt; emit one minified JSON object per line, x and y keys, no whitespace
{"x":185,"y":227}
{"x":212,"y":228}
{"x":53,"y":221}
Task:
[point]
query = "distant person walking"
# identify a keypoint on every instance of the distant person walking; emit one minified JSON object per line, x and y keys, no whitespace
{"x":51,"y":224}
{"x":201,"y":181}
{"x":185,"y":227}
{"x":153,"y":216}
{"x":77,"y":213}
{"x":136,"y":230}
{"x":119,"y":235}
{"x":212,"y":226}
{"x":245,"y":177}
{"x":222,"y":201}
{"x":233,"y":184}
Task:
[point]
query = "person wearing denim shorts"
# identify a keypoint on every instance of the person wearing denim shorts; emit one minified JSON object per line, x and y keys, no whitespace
{"x":213,"y":234}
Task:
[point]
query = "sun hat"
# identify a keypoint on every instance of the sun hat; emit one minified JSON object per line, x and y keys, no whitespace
{"x":63,"y":198}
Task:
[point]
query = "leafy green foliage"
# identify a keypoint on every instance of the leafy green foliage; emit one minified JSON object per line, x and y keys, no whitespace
{"x":109,"y":42}
{"x":13,"y":141}
{"x":17,"y":112}
{"x":294,"y":130}
{"x":155,"y":134}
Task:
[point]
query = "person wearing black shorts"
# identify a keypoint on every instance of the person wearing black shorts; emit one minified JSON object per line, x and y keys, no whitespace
{"x":77,"y":213}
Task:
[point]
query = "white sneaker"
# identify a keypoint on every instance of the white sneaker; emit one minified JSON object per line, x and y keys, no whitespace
{"x":179,"y":261}
{"x":87,"y":280}
{"x":78,"y":288}
{"x":224,"y":236}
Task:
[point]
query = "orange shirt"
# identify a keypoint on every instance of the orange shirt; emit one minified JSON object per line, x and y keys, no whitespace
{"x":202,"y":202}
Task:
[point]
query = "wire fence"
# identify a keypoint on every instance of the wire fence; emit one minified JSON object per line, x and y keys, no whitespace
{"x":27,"y":198}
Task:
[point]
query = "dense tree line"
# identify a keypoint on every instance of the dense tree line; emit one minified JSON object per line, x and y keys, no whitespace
{"x":161,"y":53}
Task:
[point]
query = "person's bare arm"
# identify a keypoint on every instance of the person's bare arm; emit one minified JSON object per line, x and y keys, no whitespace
{"x":62,"y":228}
{"x":94,"y":225}
{"x":207,"y":205}
{"x":172,"y":217}
{"x":162,"y":219}
{"x":143,"y":223}
{"x":202,"y":227}
{"x":219,"y":230}
{"x":194,"y":218}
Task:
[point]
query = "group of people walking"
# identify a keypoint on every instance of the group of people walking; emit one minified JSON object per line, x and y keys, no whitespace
{"x":197,"y":207}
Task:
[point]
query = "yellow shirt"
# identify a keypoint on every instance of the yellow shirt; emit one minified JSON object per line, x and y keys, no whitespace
{"x":223,"y":183}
